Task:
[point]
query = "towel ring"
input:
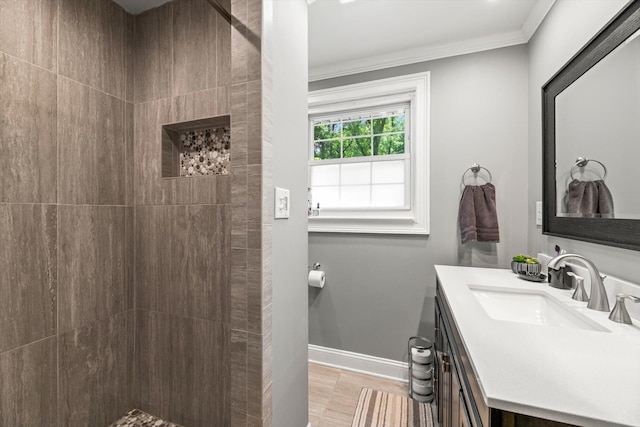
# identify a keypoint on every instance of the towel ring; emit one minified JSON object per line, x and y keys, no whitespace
{"x":475,"y":168}
{"x":581,"y":162}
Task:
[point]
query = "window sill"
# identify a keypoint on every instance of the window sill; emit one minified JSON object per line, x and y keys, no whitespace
{"x":334,"y":224}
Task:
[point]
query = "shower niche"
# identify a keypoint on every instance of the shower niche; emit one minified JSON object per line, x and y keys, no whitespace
{"x":197,"y":148}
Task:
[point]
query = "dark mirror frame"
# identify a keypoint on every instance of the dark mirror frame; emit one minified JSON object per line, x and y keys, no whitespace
{"x":623,"y":233}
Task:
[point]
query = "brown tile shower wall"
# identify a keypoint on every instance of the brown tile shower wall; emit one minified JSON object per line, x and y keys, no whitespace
{"x":251,"y":236}
{"x":84,"y":214}
{"x":199,"y":240}
{"x":66,"y":215}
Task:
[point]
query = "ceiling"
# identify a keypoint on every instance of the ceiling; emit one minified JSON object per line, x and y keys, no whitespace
{"x":365,"y":35}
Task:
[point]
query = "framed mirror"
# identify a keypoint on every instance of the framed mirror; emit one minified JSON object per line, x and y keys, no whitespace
{"x":591,"y":139}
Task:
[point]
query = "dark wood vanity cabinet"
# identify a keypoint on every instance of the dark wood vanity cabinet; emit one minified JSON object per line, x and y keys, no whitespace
{"x":452,"y":403}
{"x":459,"y":401}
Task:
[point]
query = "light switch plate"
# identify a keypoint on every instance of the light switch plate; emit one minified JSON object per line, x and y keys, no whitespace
{"x":538,"y":213}
{"x":282,"y":202}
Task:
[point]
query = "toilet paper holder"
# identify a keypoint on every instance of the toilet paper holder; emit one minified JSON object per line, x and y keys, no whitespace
{"x":420,"y":354}
{"x":316,"y":277}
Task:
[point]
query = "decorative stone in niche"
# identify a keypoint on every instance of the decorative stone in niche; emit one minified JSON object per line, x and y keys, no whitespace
{"x":196,"y":148}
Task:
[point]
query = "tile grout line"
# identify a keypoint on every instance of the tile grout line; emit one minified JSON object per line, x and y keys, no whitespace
{"x":57,"y":216}
{"x":131,"y":198}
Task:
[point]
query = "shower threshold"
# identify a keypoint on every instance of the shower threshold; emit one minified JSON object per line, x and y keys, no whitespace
{"x":138,"y":418}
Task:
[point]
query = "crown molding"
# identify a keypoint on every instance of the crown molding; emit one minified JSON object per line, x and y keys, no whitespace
{"x":537,"y":14}
{"x":412,"y":56}
{"x":422,"y":54}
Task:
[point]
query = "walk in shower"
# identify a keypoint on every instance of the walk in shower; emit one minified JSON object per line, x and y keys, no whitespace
{"x":131,"y":219}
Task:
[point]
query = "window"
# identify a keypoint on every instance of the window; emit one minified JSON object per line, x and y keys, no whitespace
{"x":361,"y":160}
{"x":368,"y":164}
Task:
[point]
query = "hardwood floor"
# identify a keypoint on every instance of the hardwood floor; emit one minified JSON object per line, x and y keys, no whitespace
{"x":333,"y":394}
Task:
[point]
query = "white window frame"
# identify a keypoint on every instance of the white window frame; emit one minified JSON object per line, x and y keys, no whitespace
{"x":415,"y":89}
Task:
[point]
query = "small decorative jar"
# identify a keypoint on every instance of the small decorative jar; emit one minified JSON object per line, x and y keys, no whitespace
{"x":526,"y":268}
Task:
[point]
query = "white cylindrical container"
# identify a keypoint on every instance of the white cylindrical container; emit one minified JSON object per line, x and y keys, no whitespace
{"x":316,"y":278}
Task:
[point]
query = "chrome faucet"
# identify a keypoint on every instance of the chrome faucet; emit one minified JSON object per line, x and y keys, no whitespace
{"x":598,"y":300}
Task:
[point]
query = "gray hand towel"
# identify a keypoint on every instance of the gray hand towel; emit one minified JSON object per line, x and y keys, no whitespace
{"x":590,"y":199}
{"x":583,"y":198}
{"x":477,"y":214}
{"x":467,"y":216}
{"x":605,"y":200}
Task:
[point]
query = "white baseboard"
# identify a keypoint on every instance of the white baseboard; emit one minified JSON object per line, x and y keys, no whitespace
{"x":360,"y":363}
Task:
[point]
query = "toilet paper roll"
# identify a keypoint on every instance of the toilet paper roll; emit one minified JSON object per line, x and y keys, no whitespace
{"x":420,"y":372}
{"x":419,"y":355}
{"x":420,"y":398}
{"x":421,"y":383}
{"x":421,"y":388}
{"x":316,"y":278}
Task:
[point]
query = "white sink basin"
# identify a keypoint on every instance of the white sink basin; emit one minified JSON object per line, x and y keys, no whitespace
{"x":530,"y":306}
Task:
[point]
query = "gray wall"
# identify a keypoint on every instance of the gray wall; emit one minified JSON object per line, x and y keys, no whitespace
{"x":569,"y":25}
{"x":380,"y":288}
{"x":290,"y":321}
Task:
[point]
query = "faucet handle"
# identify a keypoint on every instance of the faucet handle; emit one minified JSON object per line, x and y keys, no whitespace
{"x":619,"y":313}
{"x":580,"y":294}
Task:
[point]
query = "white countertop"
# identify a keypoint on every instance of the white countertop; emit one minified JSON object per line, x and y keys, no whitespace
{"x":582,"y":377}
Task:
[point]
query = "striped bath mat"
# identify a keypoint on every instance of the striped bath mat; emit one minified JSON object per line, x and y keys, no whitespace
{"x":380,"y":409}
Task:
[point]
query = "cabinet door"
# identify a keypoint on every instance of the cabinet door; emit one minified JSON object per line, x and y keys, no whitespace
{"x":456,"y":398}
{"x":443,"y":373}
{"x":445,"y":387}
{"x":465,"y":420}
{"x":438,"y":371}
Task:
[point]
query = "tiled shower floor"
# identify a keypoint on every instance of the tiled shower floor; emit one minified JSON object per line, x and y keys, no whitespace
{"x":138,"y":418}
